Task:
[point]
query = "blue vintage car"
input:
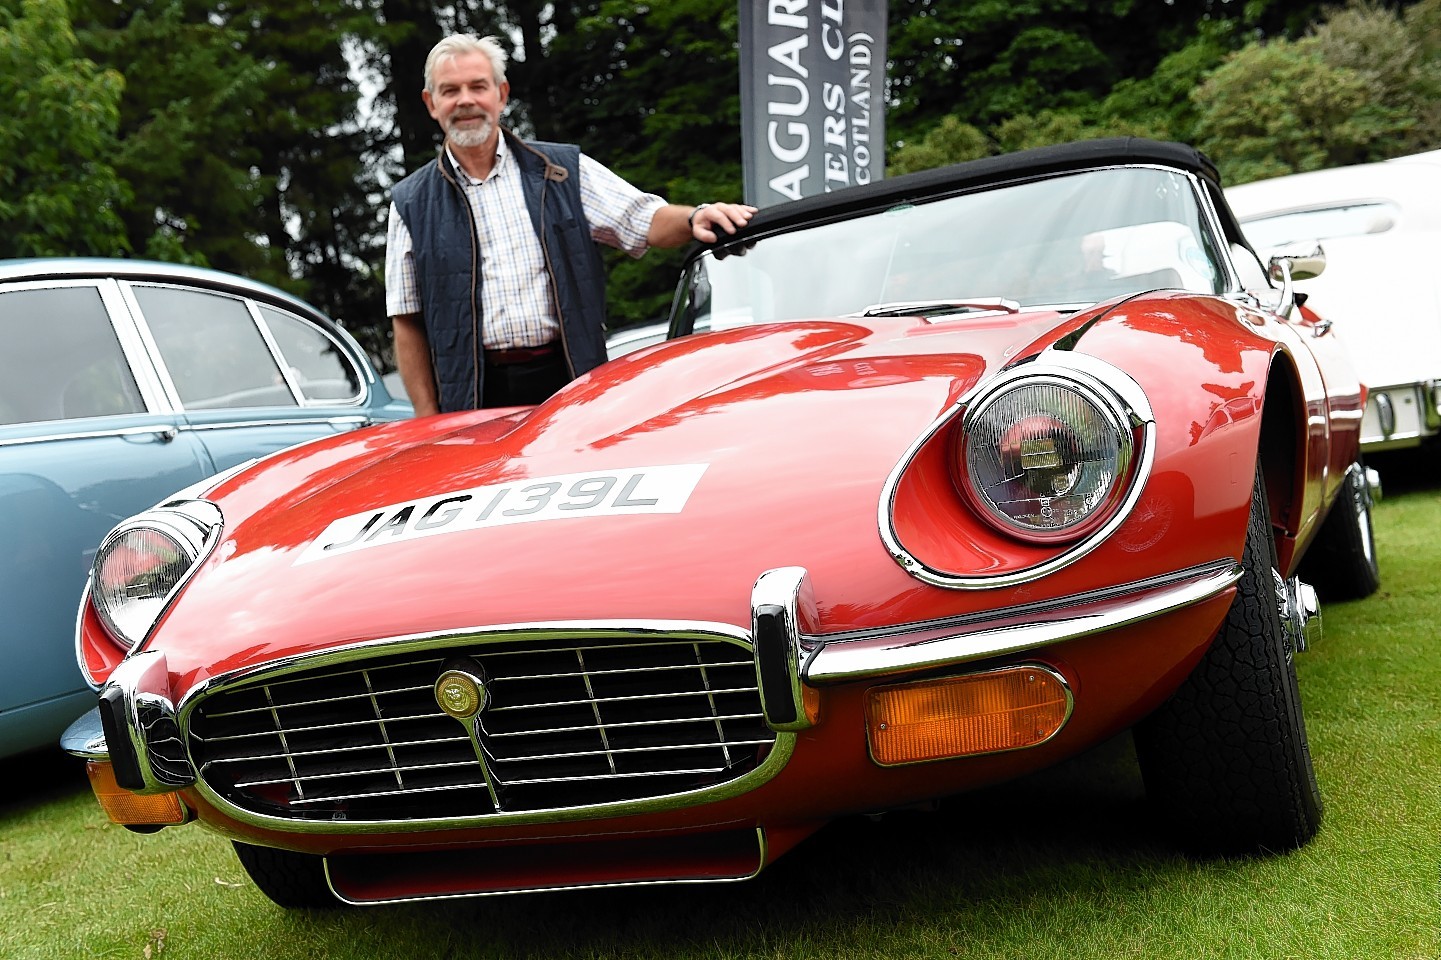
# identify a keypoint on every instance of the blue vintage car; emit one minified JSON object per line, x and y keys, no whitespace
{"x":122,"y":382}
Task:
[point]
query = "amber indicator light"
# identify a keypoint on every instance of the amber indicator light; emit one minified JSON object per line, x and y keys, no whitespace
{"x":132,"y":809}
{"x":961,"y":716}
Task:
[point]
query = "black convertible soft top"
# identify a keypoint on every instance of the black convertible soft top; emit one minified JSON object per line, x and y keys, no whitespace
{"x":1025,"y":164}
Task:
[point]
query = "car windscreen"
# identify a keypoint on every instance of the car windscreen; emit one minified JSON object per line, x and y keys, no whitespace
{"x":1072,"y":239}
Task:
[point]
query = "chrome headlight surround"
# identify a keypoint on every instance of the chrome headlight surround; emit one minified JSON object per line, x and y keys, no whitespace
{"x":143,"y":563}
{"x":1044,"y":457}
{"x":1102,"y":383}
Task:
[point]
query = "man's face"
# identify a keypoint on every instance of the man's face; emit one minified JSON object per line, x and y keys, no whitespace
{"x":466,"y":101}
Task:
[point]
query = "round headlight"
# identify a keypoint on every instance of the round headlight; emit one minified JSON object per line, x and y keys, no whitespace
{"x":136,"y":570}
{"x":1044,"y":458}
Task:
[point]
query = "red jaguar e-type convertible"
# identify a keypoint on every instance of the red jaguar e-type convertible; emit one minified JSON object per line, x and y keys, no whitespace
{"x":972,"y":470}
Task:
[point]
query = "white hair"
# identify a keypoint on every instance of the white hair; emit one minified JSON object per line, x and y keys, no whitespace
{"x":459,"y":43}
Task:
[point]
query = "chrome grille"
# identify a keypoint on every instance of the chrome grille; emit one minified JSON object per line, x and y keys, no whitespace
{"x":569,"y":724}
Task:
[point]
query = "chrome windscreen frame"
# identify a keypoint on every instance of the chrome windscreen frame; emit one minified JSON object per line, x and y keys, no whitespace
{"x":1095,"y":377}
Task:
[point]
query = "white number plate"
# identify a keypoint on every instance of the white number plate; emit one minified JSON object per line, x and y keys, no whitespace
{"x":611,"y":493}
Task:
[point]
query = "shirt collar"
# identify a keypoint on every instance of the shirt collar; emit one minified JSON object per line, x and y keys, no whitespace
{"x":500,"y":160}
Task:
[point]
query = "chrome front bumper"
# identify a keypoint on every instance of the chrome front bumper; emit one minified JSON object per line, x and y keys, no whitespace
{"x":135,"y":726}
{"x":791,"y":654}
{"x":1401,"y":416}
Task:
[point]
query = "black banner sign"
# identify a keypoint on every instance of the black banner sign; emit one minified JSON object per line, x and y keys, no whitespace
{"x":812,"y":96}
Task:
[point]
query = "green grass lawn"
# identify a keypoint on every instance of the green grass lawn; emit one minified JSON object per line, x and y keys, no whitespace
{"x":1064,"y":865}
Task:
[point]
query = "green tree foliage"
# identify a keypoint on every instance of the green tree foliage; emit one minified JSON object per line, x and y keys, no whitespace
{"x":1349,"y":92}
{"x":1059,"y":126}
{"x":1262,"y":90}
{"x":1277,"y":108}
{"x":1423,"y":24}
{"x":949,"y":141}
{"x":184,"y":148}
{"x":241,"y":144}
{"x":989,"y":61}
{"x":59,"y":193}
{"x":1389,"y":50}
{"x":1160,"y":105}
{"x":314,"y":158}
{"x":651,"y":108}
{"x":407,"y":31}
{"x":236,"y":134}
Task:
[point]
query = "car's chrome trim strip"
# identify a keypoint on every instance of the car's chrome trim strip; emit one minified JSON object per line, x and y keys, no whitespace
{"x":349,"y":421}
{"x":783,"y":610}
{"x":762,"y":859}
{"x":169,"y":431}
{"x":142,"y":739}
{"x":85,"y":738}
{"x":940,"y":644}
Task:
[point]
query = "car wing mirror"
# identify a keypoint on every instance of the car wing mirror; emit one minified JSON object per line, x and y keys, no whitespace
{"x":1299,"y":260}
{"x":1304,"y":258}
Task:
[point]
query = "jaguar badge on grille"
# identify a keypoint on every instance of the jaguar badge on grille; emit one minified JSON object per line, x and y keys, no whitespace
{"x":460,"y":689}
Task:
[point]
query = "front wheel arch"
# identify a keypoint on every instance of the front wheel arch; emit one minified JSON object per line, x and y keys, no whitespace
{"x":1281,"y":449}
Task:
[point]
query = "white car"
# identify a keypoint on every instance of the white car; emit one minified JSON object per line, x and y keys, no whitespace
{"x":1380,"y":226}
{"x":626,"y":339}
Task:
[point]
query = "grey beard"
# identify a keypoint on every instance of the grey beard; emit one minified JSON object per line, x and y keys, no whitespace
{"x":473,"y":136}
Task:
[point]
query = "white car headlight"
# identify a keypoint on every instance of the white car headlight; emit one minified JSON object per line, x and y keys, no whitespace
{"x":143,"y":562}
{"x":1044,"y":458}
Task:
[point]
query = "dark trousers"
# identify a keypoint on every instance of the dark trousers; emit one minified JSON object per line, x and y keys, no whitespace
{"x":523,"y":384}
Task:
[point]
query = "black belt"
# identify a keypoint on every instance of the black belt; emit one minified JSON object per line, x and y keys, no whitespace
{"x":506,"y":358}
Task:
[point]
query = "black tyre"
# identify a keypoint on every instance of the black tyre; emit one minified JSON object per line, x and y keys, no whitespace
{"x":1341,"y":563}
{"x":288,"y":878}
{"x":1225,"y":759}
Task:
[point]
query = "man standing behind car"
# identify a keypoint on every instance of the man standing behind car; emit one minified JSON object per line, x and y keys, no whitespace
{"x":494,"y":283}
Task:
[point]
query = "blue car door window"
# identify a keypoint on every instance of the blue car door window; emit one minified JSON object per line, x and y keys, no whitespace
{"x":61,"y":359}
{"x":318,"y":366}
{"x":216,"y":355}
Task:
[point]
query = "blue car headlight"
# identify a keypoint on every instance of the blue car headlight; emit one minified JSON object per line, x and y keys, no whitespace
{"x":143,"y":563}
